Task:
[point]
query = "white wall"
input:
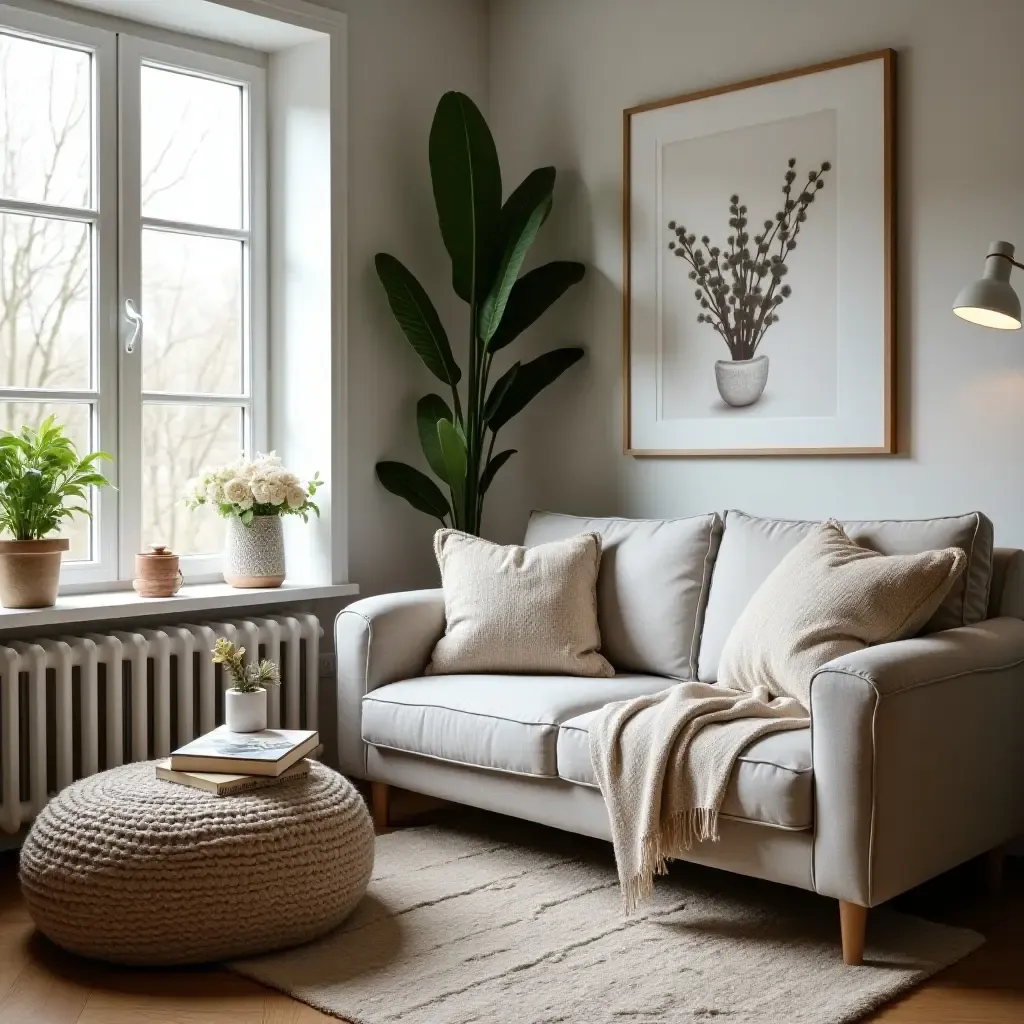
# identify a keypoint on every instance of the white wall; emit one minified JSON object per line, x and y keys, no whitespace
{"x":561,"y":72}
{"x":402,"y":55}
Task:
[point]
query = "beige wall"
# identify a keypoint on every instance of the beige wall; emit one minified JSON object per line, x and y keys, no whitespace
{"x":561,"y":71}
{"x":402,"y":55}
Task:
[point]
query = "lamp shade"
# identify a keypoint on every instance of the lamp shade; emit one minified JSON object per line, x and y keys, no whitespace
{"x":991,"y":301}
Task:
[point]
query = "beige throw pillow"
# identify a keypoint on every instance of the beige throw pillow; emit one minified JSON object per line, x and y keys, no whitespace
{"x":516,"y":609}
{"x":828,"y":597}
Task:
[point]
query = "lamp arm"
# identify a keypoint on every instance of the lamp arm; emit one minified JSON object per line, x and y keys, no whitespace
{"x":1003,"y":256}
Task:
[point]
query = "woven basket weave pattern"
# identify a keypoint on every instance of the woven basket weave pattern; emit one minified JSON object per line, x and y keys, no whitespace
{"x":125,"y":867}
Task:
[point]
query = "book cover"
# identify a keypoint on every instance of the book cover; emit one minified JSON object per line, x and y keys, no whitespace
{"x":268,"y":752}
{"x":220,"y":784}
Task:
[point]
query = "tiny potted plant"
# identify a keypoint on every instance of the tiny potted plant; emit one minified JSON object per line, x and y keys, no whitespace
{"x":253,"y":496}
{"x":245,"y":703}
{"x":42,"y":482}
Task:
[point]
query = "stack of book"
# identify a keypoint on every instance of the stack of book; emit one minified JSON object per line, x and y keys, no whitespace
{"x":223,"y":762}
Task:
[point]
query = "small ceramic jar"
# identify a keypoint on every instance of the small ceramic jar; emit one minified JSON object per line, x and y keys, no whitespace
{"x":245,"y":712}
{"x":157,"y":573}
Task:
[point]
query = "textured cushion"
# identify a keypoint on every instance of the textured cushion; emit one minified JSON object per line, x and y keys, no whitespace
{"x":771,"y":783}
{"x":515,"y":609}
{"x":829,"y":597}
{"x":652,"y":588}
{"x":508,"y":723}
{"x":125,"y":867}
{"x":751,"y":547}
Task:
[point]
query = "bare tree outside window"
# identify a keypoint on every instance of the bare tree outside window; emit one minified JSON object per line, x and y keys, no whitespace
{"x":193,"y":286}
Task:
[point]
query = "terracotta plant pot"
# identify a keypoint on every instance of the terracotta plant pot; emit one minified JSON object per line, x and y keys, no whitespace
{"x":30,"y":572}
{"x":741,"y":381}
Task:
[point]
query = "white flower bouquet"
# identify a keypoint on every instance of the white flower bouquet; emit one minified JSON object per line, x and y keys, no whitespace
{"x":260,"y":487}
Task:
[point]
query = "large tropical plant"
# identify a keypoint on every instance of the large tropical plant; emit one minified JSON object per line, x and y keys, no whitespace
{"x":487,"y":241}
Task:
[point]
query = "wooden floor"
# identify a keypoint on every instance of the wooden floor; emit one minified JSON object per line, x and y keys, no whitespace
{"x":41,"y":985}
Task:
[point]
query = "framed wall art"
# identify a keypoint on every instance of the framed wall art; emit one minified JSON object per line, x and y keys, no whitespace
{"x":759,"y":294}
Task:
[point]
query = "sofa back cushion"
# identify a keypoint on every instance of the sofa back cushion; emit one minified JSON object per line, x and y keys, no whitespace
{"x":751,"y":548}
{"x":652,"y":588}
{"x":1007,"y":596}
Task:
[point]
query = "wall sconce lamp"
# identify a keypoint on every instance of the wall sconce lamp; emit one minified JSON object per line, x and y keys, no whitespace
{"x":991,"y":301}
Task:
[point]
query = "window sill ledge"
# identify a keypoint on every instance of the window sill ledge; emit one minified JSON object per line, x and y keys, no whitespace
{"x":202,"y":598}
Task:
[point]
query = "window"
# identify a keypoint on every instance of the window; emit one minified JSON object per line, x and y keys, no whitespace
{"x":132,"y":271}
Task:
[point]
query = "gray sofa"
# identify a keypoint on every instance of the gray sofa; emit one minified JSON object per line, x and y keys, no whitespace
{"x":914,"y":761}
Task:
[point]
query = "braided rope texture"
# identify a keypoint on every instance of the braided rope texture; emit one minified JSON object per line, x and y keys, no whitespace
{"x":125,"y":867}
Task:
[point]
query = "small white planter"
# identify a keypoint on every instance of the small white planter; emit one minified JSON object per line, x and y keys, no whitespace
{"x":741,"y":381}
{"x":255,"y":553}
{"x":245,"y":712}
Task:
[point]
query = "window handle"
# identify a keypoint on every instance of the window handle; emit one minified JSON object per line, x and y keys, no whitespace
{"x":135,"y":317}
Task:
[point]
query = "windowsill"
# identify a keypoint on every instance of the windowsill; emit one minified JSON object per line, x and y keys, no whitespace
{"x":126,"y":604}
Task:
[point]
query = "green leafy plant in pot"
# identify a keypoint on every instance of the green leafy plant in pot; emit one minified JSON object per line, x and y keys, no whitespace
{"x":488,"y":241}
{"x":42,"y":483}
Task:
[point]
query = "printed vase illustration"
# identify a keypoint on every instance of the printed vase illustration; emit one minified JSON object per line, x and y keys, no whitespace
{"x":255,"y":553}
{"x":741,"y":381}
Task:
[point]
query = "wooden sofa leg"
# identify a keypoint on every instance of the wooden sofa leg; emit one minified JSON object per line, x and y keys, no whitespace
{"x":379,"y":794}
{"x":853,"y":920}
{"x":994,"y":868}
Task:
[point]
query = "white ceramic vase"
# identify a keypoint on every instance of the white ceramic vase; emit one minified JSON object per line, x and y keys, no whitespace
{"x":245,"y":712}
{"x":741,"y":381}
{"x":255,"y":553}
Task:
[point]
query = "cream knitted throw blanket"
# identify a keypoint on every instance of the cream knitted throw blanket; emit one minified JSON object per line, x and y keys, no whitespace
{"x":664,"y":761}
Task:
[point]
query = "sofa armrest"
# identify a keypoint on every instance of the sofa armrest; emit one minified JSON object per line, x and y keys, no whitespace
{"x":918,"y":758}
{"x":377,"y":641}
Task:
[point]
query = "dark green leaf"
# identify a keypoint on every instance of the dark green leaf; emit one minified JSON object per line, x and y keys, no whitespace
{"x":521,"y":217}
{"x":453,"y":453}
{"x":531,"y":296}
{"x":466,"y":177}
{"x":498,"y":391}
{"x":417,"y":488}
{"x":492,"y":467}
{"x":418,"y":319}
{"x":430,"y":409}
{"x":530,"y":380}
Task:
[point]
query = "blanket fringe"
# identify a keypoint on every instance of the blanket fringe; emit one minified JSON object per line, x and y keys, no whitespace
{"x":675,"y":837}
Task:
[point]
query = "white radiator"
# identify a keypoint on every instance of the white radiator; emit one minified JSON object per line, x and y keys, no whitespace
{"x":76,"y":705}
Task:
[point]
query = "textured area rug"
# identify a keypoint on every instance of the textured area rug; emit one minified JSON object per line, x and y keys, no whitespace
{"x":512,"y":923}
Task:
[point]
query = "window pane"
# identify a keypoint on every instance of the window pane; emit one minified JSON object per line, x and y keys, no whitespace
{"x":191,"y":148}
{"x":178,"y":442}
{"x":76,"y":422}
{"x":192,"y":302}
{"x":45,"y":122}
{"x":45,"y":302}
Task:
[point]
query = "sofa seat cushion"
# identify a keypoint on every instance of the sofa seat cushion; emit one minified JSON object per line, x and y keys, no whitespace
{"x":770,"y":785}
{"x":507,"y":723}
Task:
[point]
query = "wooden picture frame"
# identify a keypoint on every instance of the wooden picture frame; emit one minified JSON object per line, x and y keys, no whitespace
{"x":871,"y":294}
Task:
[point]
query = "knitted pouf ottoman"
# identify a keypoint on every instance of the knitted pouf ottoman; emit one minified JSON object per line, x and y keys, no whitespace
{"x":128,"y":868}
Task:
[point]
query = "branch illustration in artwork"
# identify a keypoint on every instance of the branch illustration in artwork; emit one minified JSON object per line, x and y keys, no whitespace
{"x":740,"y":289}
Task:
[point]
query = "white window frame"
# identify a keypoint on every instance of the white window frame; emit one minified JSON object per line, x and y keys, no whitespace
{"x":133,"y":52}
{"x":101,"y":215}
{"x":116,"y":395}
